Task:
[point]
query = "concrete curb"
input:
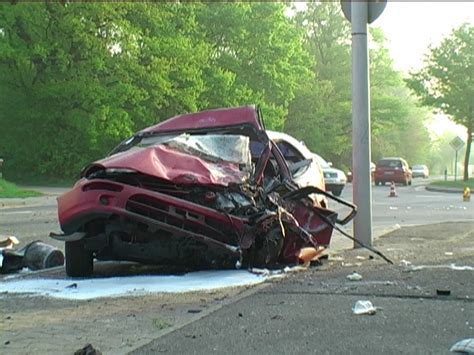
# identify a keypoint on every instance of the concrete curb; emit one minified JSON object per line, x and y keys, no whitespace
{"x":434,"y":188}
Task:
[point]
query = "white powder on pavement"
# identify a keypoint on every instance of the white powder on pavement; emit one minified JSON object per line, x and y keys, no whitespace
{"x":84,"y":289}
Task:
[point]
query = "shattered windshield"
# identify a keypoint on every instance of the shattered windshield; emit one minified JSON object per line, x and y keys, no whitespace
{"x":210,"y":147}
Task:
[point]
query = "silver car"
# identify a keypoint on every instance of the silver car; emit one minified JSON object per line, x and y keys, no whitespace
{"x":420,"y":171}
{"x":334,"y":179}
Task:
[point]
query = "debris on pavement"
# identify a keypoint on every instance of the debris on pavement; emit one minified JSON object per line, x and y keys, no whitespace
{"x":465,"y":346}
{"x":34,"y":256}
{"x":88,"y":350}
{"x":404,"y":262}
{"x":7,"y":242}
{"x":354,"y":276}
{"x":364,"y":307}
{"x":443,"y":292}
{"x":278,"y":272}
{"x":450,"y":266}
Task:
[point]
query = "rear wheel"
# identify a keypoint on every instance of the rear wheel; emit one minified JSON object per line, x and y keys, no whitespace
{"x":79,"y":261}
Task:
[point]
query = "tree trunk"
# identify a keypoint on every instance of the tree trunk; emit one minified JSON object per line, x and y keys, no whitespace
{"x":468,"y":153}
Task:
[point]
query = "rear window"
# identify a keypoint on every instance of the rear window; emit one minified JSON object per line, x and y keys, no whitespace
{"x":389,"y":163}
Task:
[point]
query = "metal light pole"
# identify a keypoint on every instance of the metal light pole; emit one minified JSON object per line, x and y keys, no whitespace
{"x":362,"y":192}
{"x":360,"y":13}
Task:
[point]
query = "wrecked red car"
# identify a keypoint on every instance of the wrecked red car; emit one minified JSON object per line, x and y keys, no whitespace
{"x":201,"y":190}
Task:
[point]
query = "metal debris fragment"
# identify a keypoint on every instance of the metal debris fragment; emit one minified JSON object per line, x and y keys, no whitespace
{"x":34,"y":256}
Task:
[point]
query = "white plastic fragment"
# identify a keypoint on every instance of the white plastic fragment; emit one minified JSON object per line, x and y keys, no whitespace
{"x":364,"y":307}
{"x":8,"y":242}
{"x":465,"y":346}
{"x":448,"y":253}
{"x":404,"y":262}
{"x":360,"y":257}
{"x":354,"y":276}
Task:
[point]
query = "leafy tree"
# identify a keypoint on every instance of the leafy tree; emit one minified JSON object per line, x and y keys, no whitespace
{"x":447,"y":81}
{"x":398,"y":125}
{"x":320,"y":114}
{"x":256,"y":57}
{"x":78,"y":78}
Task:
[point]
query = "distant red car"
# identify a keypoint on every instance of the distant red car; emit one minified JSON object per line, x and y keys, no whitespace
{"x":393,"y":169}
{"x":189,"y":192}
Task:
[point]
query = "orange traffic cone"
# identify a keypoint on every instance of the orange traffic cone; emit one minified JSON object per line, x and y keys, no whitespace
{"x":393,"y":193}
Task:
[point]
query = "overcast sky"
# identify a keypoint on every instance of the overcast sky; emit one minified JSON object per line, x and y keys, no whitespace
{"x":411,"y":27}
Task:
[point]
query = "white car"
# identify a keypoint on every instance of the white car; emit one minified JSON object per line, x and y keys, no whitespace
{"x":305,"y":170}
{"x":420,"y":171}
{"x":334,"y":179}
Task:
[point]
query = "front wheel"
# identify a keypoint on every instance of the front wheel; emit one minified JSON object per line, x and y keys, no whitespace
{"x":79,"y":261}
{"x":337,"y":191}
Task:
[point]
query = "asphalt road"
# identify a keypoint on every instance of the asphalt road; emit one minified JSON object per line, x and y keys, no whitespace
{"x":413,"y":205}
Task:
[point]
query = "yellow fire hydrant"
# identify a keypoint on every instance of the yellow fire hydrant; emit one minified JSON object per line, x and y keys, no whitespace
{"x":466,"y":195}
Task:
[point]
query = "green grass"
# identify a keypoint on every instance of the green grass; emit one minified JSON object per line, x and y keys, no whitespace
{"x":160,"y":324}
{"x":10,"y":190}
{"x":459,"y":183}
{"x":44,"y":181}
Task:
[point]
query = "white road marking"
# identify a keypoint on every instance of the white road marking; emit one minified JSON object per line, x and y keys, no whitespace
{"x":17,"y":212}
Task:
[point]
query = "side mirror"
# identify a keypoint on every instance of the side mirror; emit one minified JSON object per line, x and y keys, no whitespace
{"x":330,"y":163}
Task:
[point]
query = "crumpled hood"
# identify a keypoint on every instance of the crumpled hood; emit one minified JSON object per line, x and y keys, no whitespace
{"x":175,"y":166}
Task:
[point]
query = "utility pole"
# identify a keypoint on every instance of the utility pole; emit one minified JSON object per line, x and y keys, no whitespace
{"x":361,"y":154}
{"x":360,"y":13}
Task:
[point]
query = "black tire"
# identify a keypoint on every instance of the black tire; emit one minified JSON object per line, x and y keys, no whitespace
{"x":337,"y":192}
{"x":405,"y":183}
{"x":79,"y":261}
